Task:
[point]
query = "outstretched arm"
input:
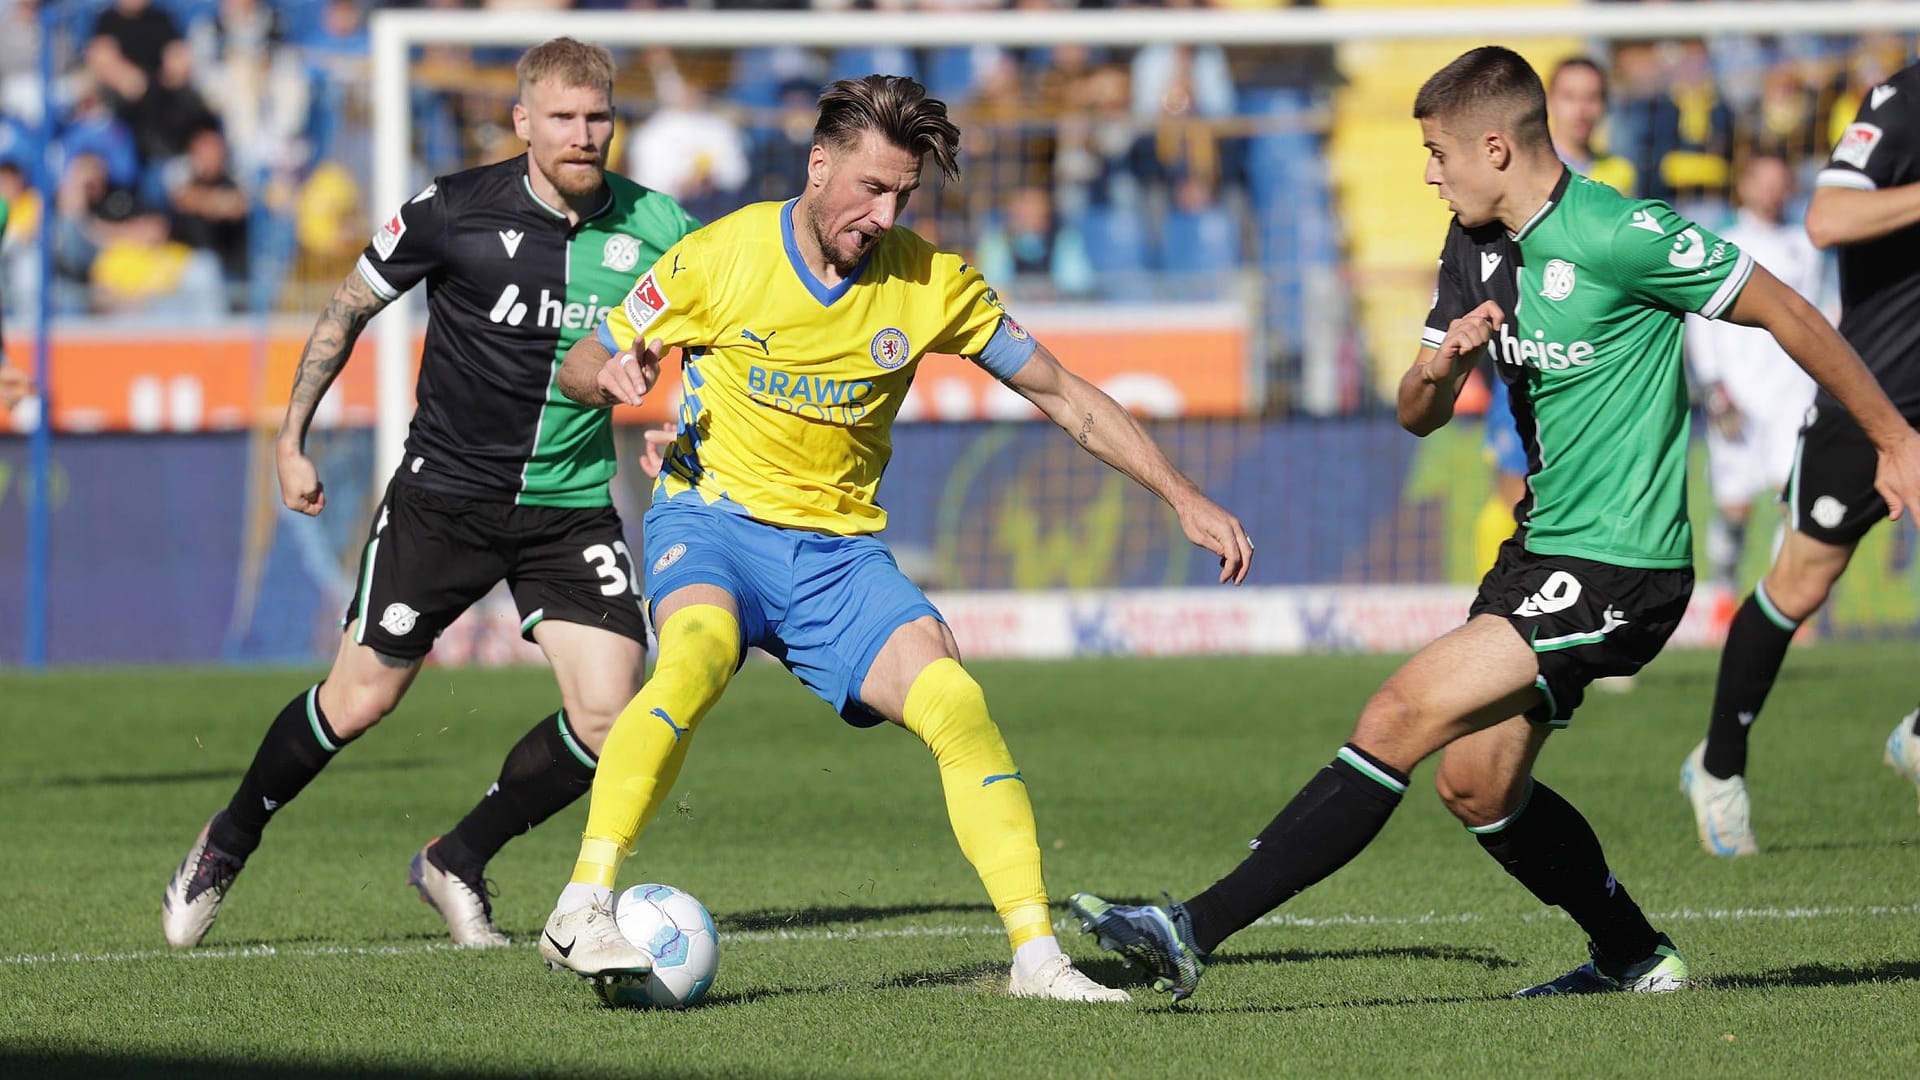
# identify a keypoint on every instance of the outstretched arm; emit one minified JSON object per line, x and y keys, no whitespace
{"x":326,"y":353}
{"x":1816,"y":346}
{"x":1111,"y":434}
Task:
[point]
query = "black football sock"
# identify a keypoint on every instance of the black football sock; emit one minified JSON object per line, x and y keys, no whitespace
{"x":1756,"y":646}
{"x":298,"y":745}
{"x":1548,"y":847}
{"x":544,"y":773}
{"x":1335,"y":816}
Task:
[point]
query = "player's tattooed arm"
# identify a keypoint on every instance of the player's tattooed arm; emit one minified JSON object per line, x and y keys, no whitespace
{"x":326,"y":353}
{"x":1110,"y":433}
{"x":328,"y":347}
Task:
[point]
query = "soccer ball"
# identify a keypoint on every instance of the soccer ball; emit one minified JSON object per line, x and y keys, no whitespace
{"x":674,"y":929}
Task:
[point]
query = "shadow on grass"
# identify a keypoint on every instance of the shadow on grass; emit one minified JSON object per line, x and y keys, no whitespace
{"x":195,"y":776}
{"x":67,"y":1063}
{"x":799,"y":918}
{"x":1887,"y":971}
{"x":1485,"y":958}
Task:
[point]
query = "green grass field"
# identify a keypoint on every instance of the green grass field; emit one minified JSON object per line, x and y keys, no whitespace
{"x":858,"y":942}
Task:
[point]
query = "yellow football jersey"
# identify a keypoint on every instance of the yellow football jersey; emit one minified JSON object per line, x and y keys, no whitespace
{"x":790,"y":388}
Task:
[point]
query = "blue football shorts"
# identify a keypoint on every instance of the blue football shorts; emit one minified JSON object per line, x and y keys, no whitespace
{"x":822,"y":605}
{"x":1502,"y":444}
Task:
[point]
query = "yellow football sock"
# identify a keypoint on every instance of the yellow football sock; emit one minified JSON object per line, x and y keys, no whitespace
{"x":986,"y":797}
{"x":1491,"y":528}
{"x":699,"y":649}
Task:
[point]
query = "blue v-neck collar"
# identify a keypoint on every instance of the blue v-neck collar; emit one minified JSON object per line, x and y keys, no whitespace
{"x":801,"y":270}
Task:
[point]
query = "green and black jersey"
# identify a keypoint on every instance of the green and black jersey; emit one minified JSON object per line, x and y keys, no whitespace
{"x":511,"y":285}
{"x":1595,"y":287}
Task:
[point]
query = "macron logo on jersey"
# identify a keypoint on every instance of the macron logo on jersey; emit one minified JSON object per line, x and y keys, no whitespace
{"x":1489,"y":262}
{"x":1644,"y":220}
{"x":510,"y":239}
{"x":1881,"y":94}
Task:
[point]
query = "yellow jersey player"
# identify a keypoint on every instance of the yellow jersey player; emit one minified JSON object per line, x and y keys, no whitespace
{"x":801,"y":325}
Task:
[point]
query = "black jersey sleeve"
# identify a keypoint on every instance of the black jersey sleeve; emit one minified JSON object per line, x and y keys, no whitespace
{"x":1878,"y":149}
{"x":407,"y":246}
{"x":1450,"y":299}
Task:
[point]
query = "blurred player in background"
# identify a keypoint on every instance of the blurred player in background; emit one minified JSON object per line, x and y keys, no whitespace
{"x":504,"y":479}
{"x":1866,"y":202}
{"x":1756,"y":396}
{"x":801,"y":326}
{"x":1579,"y":293}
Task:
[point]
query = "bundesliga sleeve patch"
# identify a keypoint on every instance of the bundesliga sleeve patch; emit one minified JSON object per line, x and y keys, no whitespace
{"x":388,"y":236}
{"x":645,"y":303}
{"x":1856,"y":144}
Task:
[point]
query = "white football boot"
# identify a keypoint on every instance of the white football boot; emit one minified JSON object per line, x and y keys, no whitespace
{"x":586,"y":940}
{"x":468,"y":914}
{"x":1903,"y":750}
{"x":1057,"y":979}
{"x":193,"y":896}
{"x":1720,"y":809}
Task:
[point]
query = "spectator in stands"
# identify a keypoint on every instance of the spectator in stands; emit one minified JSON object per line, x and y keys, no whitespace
{"x":1094,"y":162}
{"x":111,"y":256}
{"x":92,"y":127}
{"x":330,"y":219}
{"x":779,"y":150}
{"x":165,"y":117}
{"x":1576,"y":104}
{"x":1040,"y":259}
{"x":20,"y":59}
{"x":128,"y":45}
{"x":1699,"y":166}
{"x":256,"y":84}
{"x":1197,"y":74}
{"x":688,"y":149}
{"x":209,"y":209}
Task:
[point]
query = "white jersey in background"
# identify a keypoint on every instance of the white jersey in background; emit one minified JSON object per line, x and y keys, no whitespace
{"x":1771,"y":392}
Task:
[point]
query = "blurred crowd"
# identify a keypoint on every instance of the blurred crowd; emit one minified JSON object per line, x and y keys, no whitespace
{"x":213,"y":156}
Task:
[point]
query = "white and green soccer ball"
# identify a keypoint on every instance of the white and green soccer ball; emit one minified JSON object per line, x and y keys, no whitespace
{"x":678,"y":933}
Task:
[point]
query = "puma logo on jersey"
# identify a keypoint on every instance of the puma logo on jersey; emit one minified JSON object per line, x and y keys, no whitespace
{"x":1881,"y":94}
{"x":1644,"y":220}
{"x":758,"y":340}
{"x":510,"y":239}
{"x":1489,"y":262}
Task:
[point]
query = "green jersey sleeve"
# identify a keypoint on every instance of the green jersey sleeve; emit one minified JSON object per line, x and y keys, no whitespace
{"x":1668,"y":262}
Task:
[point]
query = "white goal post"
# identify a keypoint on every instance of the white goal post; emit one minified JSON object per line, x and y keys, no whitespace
{"x":395,"y":33}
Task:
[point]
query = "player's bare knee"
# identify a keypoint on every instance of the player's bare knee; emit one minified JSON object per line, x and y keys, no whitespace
{"x":1390,"y":716}
{"x":1472,"y":800}
{"x":353,"y":706}
{"x":1798,"y":588}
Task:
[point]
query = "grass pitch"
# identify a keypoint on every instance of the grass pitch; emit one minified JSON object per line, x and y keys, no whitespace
{"x":856,"y":940}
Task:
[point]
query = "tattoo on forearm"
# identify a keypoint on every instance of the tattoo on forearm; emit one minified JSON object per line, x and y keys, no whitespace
{"x":1086,"y":429}
{"x":328,"y":347}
